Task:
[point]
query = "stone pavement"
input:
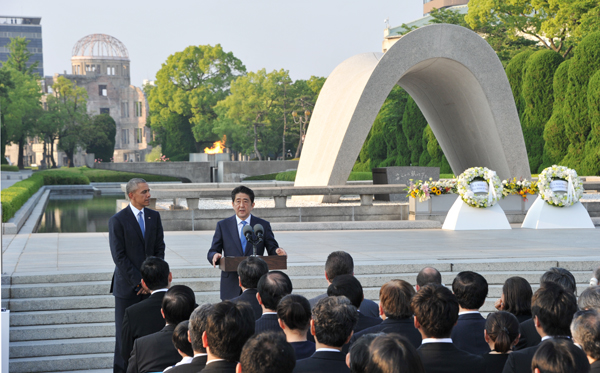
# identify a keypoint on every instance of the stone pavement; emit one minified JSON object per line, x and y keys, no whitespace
{"x":74,"y":252}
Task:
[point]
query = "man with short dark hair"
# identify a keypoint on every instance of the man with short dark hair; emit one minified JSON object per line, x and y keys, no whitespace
{"x":155,"y":352}
{"x":144,"y":318}
{"x":470,"y":289}
{"x":250,"y":270}
{"x":428,"y":275}
{"x":341,"y":263}
{"x":267,"y":352}
{"x":436,"y":313}
{"x":197,"y":327}
{"x":333,"y":319}
{"x":271,"y":288}
{"x":229,"y":239}
{"x":394,"y":308}
{"x":228,"y":327}
{"x":350,"y":287}
{"x":585,"y":329}
{"x":552,"y":308}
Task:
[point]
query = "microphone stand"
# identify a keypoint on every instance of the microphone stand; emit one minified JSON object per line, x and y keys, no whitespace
{"x":254,"y":243}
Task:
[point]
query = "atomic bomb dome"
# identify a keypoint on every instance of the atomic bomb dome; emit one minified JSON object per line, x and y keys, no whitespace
{"x":100,"y":45}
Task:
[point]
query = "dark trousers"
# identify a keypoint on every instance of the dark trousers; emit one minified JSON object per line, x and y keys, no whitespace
{"x":121,"y":304}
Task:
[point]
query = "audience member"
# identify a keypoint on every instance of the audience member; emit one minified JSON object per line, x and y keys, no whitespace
{"x":436,"y":313}
{"x":272,"y":287}
{"x":182,"y":344}
{"x":144,"y":318}
{"x":250,"y":270}
{"x":470,"y":289}
{"x":552,"y":307}
{"x":359,"y":355}
{"x":341,"y":263}
{"x":585,"y":329}
{"x":267,"y":352}
{"x":350,"y":287}
{"x":559,"y":356}
{"x":594,"y":280}
{"x":293,"y":312}
{"x":394,"y":308}
{"x":333,"y":319}
{"x":502,"y":334}
{"x":155,"y":352}
{"x":228,"y":327}
{"x":428,"y":275}
{"x":529,"y":334}
{"x":392,"y":353}
{"x":196,"y":328}
{"x":590,"y":298}
{"x":516,"y":298}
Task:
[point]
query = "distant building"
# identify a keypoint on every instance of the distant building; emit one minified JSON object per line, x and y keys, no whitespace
{"x":428,"y":5}
{"x":28,"y":27}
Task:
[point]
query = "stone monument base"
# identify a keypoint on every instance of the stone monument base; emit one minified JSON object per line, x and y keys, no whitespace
{"x":541,"y":215}
{"x":463,"y":217}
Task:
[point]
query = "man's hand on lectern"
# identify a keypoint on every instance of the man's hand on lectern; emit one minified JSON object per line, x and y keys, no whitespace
{"x":280,"y":251}
{"x":216,"y":258}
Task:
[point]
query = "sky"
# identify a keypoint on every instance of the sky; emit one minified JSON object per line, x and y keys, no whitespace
{"x":305,"y":37}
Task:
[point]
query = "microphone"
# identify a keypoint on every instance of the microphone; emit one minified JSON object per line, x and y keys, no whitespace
{"x":247,"y":232}
{"x":258,"y":228}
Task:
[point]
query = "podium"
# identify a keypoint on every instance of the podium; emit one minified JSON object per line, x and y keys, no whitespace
{"x":230,"y":263}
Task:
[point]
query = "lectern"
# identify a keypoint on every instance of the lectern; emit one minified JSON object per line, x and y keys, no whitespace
{"x":230,"y":263}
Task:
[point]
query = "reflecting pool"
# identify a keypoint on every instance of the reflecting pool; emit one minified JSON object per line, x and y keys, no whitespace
{"x":82,"y":214}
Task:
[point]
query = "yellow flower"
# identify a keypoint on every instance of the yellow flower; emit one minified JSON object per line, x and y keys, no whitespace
{"x":438,"y":192}
{"x":434,"y":189}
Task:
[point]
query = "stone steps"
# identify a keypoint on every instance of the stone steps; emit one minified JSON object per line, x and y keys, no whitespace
{"x":59,"y":347}
{"x":62,"y":363}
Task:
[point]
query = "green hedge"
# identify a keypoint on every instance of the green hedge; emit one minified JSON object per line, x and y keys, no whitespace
{"x":262,"y":177}
{"x":107,"y":176}
{"x":354,"y":175}
{"x":6,"y":167}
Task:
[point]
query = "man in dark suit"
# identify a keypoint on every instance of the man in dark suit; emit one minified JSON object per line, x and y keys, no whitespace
{"x":586,"y":333}
{"x":436,"y":313}
{"x":559,"y":355}
{"x":350,"y":287}
{"x":394,"y":307}
{"x":552,"y":307}
{"x":228,"y":327}
{"x":197,"y":327}
{"x":341,"y":263}
{"x":250,"y":270}
{"x":333,"y":319}
{"x":428,"y":275}
{"x":145,"y":317}
{"x":470,"y":289}
{"x":267,"y":352}
{"x":134,"y":234}
{"x":155,"y":352}
{"x":272,"y":287}
{"x":229,"y":240}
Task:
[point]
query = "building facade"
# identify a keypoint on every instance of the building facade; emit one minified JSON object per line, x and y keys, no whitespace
{"x":28,"y":27}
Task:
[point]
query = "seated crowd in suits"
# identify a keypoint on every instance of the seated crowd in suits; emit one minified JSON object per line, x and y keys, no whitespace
{"x":433,"y":329}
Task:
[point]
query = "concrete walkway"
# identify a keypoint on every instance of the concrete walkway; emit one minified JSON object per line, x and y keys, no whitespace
{"x":76,"y":252}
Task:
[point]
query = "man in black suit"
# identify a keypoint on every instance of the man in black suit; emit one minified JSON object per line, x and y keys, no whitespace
{"x":197,"y":327}
{"x":552,"y":307}
{"x":267,"y":352}
{"x":156,"y":351}
{"x":333,"y":319}
{"x":559,"y":355}
{"x":436,"y":313}
{"x":250,"y":270}
{"x":145,"y":317}
{"x":272,"y":287}
{"x":350,"y":287}
{"x":341,"y":263}
{"x":428,"y":275}
{"x":394,"y":308}
{"x":134,"y":234}
{"x":229,"y":240}
{"x":586,"y":333}
{"x":228,"y":327}
{"x":470,"y":289}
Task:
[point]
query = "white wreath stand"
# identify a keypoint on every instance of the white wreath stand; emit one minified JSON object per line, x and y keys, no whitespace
{"x":542,"y":215}
{"x":463,"y":217}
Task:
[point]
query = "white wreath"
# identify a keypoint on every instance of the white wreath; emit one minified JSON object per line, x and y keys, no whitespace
{"x":574,"y":190}
{"x":480,"y":201}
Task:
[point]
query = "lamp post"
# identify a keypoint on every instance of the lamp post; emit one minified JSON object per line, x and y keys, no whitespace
{"x":301,"y":121}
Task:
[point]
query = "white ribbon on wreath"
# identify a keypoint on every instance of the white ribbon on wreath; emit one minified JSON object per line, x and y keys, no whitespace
{"x":491,"y":189}
{"x":570,"y":191}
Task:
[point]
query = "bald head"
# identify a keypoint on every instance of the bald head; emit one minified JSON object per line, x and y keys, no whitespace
{"x":428,"y":275}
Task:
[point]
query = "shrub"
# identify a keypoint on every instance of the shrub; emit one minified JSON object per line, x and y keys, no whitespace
{"x":16,"y":195}
{"x":514,"y":73}
{"x":591,"y":163}
{"x":354,"y":176}
{"x":263,"y":177}
{"x":9,"y":168}
{"x":413,"y":125}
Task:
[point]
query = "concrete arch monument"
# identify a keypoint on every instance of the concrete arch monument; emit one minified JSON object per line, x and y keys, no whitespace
{"x":457,"y":81}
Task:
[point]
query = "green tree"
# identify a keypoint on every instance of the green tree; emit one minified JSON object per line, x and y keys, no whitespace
{"x":538,"y":97}
{"x":413,"y":125}
{"x":591,"y":162}
{"x":438,"y":159}
{"x":514,"y":73}
{"x":100,"y":139}
{"x":306,"y":93}
{"x":19,"y":55}
{"x":6,"y":84}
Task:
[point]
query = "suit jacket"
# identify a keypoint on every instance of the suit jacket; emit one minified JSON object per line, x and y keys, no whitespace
{"x":446,"y":358}
{"x":226,"y":242}
{"x":266,"y":323}
{"x":141,"y":319}
{"x":365,"y":322}
{"x":529,"y":335}
{"x":494,"y":363}
{"x":323,"y":362}
{"x":520,"y":361}
{"x":154,"y":352}
{"x":196,"y":365}
{"x":404,"y":327}
{"x":367,"y":307}
{"x":249,"y":296}
{"x":220,"y":367}
{"x":129,"y":249}
{"x":595,"y":367}
{"x":467,"y":334}
{"x":304,"y":349}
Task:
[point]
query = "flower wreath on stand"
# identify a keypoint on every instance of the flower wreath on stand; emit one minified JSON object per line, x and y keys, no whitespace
{"x":482,"y":175}
{"x":560,"y":186}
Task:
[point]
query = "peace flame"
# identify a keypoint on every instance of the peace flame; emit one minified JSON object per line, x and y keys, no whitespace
{"x":218,"y":146}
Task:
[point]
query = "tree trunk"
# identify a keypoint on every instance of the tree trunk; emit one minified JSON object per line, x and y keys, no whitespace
{"x":70,"y":157}
{"x":299,"y":149}
{"x":52,"y":152}
{"x":256,"y":142}
{"x":283,"y":138}
{"x":20,"y":153}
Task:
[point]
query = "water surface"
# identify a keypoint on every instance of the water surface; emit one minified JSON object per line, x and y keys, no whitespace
{"x":83,"y":214}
